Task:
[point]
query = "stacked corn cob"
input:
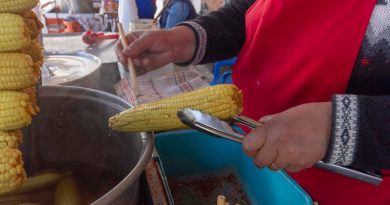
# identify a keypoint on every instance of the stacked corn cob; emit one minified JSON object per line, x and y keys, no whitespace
{"x":20,"y":59}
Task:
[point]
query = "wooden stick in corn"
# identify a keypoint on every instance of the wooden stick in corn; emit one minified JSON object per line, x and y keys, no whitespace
{"x":15,"y":110}
{"x":14,"y":34}
{"x":17,"y":71}
{"x":222,"y":101}
{"x":10,"y":139}
{"x":12,"y":173}
{"x":17,"y":6}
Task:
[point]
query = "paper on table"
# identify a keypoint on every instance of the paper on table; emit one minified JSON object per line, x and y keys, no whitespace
{"x":161,"y":84}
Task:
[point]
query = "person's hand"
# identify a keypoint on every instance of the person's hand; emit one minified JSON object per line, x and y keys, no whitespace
{"x":153,"y":49}
{"x":292,"y":140}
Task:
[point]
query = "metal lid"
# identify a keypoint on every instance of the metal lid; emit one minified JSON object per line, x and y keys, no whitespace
{"x":66,"y":68}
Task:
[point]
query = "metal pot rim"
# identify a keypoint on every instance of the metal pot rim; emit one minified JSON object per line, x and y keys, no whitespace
{"x":146,"y":153}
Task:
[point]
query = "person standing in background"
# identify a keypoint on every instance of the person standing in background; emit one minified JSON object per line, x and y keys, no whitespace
{"x":146,"y":8}
{"x":177,"y":11}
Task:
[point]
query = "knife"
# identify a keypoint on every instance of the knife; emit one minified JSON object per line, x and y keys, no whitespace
{"x":206,"y":123}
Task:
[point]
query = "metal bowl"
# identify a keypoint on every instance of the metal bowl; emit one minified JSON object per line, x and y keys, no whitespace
{"x":73,"y":127}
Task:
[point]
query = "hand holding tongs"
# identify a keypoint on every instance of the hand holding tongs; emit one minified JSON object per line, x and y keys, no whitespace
{"x":211,"y":125}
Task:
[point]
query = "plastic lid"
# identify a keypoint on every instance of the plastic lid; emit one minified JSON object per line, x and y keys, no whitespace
{"x":63,"y":69}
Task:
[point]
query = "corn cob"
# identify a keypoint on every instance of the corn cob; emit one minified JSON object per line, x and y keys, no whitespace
{"x":66,"y":192}
{"x":14,"y":34}
{"x":221,"y":101}
{"x":10,"y":139}
{"x":15,"y":110}
{"x":33,"y":23}
{"x":40,"y":181}
{"x":35,"y":51}
{"x":17,"y":6}
{"x":17,"y":71}
{"x":32,"y":92}
{"x":12,"y":173}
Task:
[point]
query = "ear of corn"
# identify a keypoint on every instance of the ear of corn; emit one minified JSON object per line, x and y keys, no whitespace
{"x":17,"y":6}
{"x":17,"y":71}
{"x":32,"y":93}
{"x":12,"y":173}
{"x":15,"y":110}
{"x":33,"y":23}
{"x":35,"y":51}
{"x":40,"y":181}
{"x":221,"y":101}
{"x":10,"y":139}
{"x":13,"y":199}
{"x":66,"y":192}
{"x":14,"y":34}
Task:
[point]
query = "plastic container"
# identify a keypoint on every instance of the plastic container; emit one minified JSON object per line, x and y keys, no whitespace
{"x":188,"y":152}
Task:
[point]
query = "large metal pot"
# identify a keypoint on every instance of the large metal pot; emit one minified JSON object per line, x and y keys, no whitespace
{"x":73,"y":127}
{"x":79,"y":69}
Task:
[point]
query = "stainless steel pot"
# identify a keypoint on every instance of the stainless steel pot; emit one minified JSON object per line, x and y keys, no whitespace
{"x":79,"y":69}
{"x":73,"y":127}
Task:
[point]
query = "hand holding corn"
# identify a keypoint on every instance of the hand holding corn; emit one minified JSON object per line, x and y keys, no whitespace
{"x":221,"y":101}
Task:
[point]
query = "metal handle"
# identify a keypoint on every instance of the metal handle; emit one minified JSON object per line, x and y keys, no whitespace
{"x":369,"y":178}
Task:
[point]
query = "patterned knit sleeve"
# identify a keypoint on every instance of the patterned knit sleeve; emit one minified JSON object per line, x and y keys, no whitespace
{"x":220,"y":34}
{"x":360,"y":132}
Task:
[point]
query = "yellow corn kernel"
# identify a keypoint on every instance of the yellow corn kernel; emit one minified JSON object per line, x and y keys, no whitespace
{"x":10,"y":139}
{"x":221,"y":101}
{"x":17,"y":6}
{"x":12,"y":173}
{"x":35,"y":51}
{"x":33,"y":23}
{"x":14,"y":34}
{"x":17,"y":71}
{"x":15,"y":110}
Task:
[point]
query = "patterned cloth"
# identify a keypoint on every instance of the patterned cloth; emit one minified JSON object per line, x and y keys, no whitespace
{"x":157,"y":85}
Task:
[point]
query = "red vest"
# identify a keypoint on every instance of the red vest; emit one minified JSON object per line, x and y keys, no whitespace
{"x":301,"y":51}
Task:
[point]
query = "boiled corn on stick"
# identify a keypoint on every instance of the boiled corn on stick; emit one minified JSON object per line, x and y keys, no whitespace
{"x":17,"y":6}
{"x":66,"y":192}
{"x":17,"y":71}
{"x":10,"y":139}
{"x":33,"y":23}
{"x":15,"y":110}
{"x":40,"y":181}
{"x":221,"y":101}
{"x":12,"y":173}
{"x":14,"y":34}
{"x":35,"y":51}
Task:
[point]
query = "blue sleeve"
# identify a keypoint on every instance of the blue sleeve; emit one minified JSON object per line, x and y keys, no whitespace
{"x":178,"y":12}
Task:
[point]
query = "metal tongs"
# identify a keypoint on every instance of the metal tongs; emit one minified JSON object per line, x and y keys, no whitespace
{"x":208,"y":124}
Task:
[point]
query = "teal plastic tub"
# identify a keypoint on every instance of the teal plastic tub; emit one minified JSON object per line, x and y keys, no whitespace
{"x":207,"y":162}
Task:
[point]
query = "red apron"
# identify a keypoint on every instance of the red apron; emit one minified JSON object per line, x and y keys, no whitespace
{"x":300,"y":51}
